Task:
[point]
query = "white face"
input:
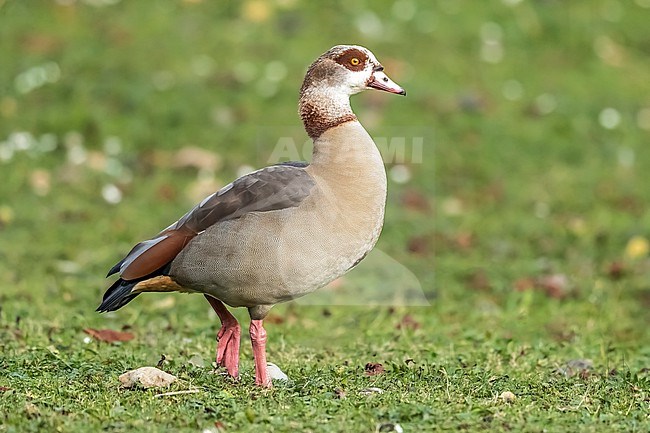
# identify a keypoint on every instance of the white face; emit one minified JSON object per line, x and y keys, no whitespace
{"x":362,"y":70}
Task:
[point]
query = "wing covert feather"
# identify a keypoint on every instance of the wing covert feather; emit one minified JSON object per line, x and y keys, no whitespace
{"x":271,"y":188}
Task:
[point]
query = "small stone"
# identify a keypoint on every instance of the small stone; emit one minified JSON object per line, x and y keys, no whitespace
{"x":507,"y":397}
{"x":275,"y":372}
{"x":576,"y":367}
{"x":147,"y":377}
{"x":390,"y":427}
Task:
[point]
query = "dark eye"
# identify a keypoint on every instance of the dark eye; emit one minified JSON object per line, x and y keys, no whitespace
{"x":354,"y":61}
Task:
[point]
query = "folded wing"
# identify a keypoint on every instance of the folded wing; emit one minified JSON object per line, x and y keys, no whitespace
{"x":271,"y":188}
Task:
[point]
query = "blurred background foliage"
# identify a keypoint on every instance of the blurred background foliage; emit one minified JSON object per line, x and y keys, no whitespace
{"x":117,"y":116}
{"x":535,"y":117}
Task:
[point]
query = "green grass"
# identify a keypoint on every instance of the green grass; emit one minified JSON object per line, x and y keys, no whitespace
{"x":521,"y":179}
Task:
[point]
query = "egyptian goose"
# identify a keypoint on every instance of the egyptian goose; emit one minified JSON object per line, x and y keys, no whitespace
{"x":280,"y":232}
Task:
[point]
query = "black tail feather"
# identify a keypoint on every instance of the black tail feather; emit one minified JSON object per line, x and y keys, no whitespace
{"x":118,"y":295}
{"x":115,"y":269}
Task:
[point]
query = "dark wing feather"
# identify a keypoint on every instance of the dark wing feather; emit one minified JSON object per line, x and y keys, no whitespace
{"x":272,"y":188}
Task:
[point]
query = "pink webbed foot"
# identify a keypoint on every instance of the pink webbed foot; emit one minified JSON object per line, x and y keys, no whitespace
{"x":228,"y":338}
{"x":258,"y":341}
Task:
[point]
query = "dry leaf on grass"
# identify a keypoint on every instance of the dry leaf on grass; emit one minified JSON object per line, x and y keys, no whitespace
{"x":408,"y":322}
{"x":109,"y":335}
{"x":147,"y":377}
{"x":478,"y":280}
{"x":419,"y":245}
{"x":616,"y":270}
{"x":276,"y":319}
{"x":374,"y":368}
{"x":555,"y":285}
{"x":415,"y":200}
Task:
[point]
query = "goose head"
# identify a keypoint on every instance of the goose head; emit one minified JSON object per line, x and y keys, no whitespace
{"x":340,"y":72}
{"x":347,"y":70}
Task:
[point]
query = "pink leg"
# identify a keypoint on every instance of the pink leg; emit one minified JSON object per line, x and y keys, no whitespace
{"x":228,"y":337}
{"x":258,"y":340}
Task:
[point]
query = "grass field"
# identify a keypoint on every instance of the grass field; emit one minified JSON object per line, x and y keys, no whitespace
{"x":525,"y":223}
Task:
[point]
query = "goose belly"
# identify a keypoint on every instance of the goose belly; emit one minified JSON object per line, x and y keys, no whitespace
{"x":271,"y":257}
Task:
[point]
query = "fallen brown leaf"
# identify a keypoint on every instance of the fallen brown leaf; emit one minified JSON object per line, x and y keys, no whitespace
{"x":374,"y":368}
{"x":419,"y":245}
{"x":109,"y":335}
{"x":408,"y":322}
{"x":275,"y":319}
{"x":478,"y":280}
{"x":555,"y":285}
{"x":414,"y":200}
{"x":4,"y":388}
{"x":464,"y":240}
{"x":40,"y":43}
{"x":616,"y":270}
{"x":523,"y":284}
{"x":167,"y":192}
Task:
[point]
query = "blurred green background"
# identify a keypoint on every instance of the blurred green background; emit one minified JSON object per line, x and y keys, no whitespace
{"x":525,"y":223}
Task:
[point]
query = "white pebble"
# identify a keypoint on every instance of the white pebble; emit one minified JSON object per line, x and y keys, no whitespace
{"x":371,"y":390}
{"x":507,"y":397}
{"x":275,"y":372}
{"x":147,"y":377}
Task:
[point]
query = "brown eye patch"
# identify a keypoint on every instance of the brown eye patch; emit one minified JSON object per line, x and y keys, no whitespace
{"x":353,"y":59}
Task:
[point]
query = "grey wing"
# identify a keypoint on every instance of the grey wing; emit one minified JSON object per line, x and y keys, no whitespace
{"x":271,"y":188}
